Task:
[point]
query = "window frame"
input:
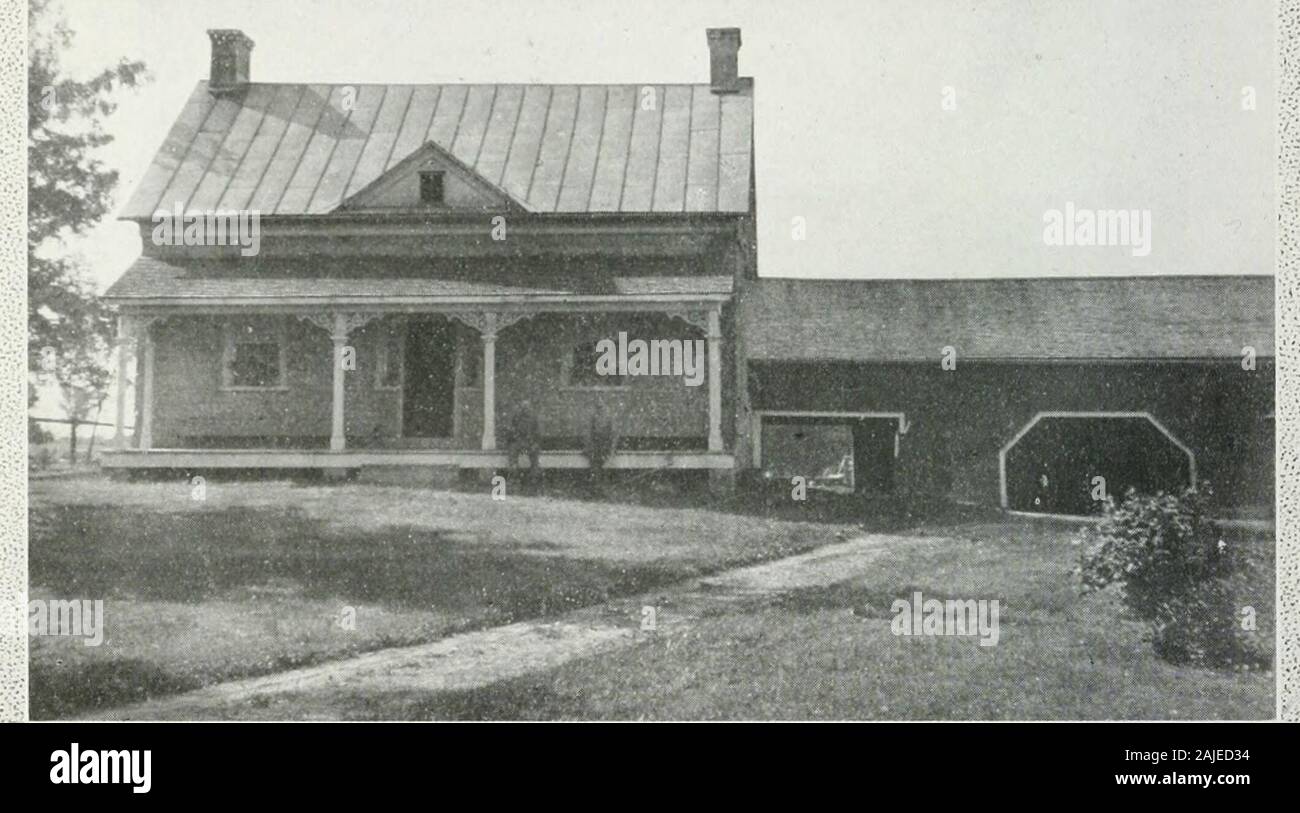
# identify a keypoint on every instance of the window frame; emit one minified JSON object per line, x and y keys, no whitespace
{"x":433,"y":173}
{"x":273,"y":332}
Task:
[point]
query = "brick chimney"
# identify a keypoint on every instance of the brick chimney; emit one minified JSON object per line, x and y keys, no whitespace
{"x":724,"y":44}
{"x":231,"y":49}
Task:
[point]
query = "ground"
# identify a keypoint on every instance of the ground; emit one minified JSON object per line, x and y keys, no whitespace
{"x":240,"y":584}
{"x":204,"y":584}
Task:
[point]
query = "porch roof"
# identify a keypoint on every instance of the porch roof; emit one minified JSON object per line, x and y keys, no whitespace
{"x":150,"y":281}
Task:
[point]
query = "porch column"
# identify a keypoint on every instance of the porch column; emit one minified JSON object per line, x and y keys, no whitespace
{"x":339,"y":335}
{"x":715,"y":381}
{"x":123,"y":342}
{"x":146,"y":408}
{"x":489,"y":381}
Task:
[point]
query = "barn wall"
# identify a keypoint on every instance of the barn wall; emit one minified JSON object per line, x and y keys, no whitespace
{"x":960,"y":419}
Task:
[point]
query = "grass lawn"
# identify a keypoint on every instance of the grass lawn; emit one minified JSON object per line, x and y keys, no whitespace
{"x":259,"y":577}
{"x":828,"y":653}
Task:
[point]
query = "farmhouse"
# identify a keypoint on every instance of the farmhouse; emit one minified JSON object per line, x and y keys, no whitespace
{"x":438,"y":269}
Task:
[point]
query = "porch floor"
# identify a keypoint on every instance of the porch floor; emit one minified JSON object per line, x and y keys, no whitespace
{"x":348,"y":459}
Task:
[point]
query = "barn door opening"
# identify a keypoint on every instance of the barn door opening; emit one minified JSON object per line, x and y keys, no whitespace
{"x":1062,"y":464}
{"x":845,"y":453}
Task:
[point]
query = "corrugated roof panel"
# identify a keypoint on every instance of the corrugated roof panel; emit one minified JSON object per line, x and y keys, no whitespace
{"x":611,"y":159}
{"x":200,"y":153}
{"x":352,"y":140}
{"x":383,"y":135}
{"x":329,"y":129}
{"x":473,"y":123}
{"x":674,"y":143}
{"x":702,"y":165}
{"x":446,"y":119}
{"x":587,"y":132}
{"x":144,"y":200}
{"x":554,"y":154}
{"x":415,"y":126}
{"x":643,"y":151}
{"x":231,"y":152}
{"x":262,"y":149}
{"x":528,"y":139}
{"x":311,"y":106}
{"x":500,"y":133}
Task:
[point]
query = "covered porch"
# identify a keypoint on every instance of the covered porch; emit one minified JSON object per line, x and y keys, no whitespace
{"x":350,"y":385}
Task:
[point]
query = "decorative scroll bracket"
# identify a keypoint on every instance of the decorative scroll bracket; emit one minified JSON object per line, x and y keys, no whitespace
{"x":339,"y":328}
{"x":132,"y":327}
{"x":489,"y":324}
{"x":696,"y":318}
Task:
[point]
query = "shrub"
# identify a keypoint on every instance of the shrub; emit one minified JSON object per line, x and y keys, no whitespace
{"x":1177,"y":573}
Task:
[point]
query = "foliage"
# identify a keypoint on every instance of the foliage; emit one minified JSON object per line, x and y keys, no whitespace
{"x":1176,"y":572}
{"x":69,"y":190}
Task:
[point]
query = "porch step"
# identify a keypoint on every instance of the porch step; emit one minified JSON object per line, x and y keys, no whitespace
{"x":436,"y":476}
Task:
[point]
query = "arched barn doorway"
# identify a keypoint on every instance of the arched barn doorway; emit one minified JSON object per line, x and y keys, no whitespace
{"x":1052,"y":464}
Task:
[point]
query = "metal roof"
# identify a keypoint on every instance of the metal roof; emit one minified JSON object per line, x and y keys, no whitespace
{"x":292,"y":149}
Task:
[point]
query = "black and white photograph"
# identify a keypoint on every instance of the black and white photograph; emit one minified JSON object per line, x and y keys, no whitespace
{"x":655,"y":361}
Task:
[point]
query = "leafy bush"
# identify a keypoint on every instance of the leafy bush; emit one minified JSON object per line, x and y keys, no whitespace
{"x":1177,"y":573}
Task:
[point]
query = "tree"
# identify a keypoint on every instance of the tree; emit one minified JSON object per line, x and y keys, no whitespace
{"x":68,"y":192}
{"x":83,"y":384}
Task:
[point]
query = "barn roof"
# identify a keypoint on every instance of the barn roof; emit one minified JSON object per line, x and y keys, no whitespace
{"x":1181,"y":317}
{"x":293,"y":149}
{"x":155,"y":281}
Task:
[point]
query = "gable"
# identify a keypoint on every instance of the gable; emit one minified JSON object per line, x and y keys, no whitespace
{"x":462,"y":188}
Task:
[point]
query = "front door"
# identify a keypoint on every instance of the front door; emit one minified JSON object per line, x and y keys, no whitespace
{"x":429,"y":388}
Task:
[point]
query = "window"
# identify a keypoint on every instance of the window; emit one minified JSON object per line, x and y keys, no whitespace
{"x":431,"y":187}
{"x":254,"y":356}
{"x":390,"y":367}
{"x":582,"y":370}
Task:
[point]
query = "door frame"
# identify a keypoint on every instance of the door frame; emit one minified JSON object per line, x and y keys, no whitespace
{"x":757,"y":416}
{"x":1147,"y":416}
{"x":453,"y":343}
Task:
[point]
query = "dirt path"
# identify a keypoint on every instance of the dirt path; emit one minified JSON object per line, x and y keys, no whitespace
{"x":479,"y":658}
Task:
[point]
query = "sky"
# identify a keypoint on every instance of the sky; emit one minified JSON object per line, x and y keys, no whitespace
{"x":923,"y":139}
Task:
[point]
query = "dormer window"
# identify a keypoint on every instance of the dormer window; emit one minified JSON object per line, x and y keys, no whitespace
{"x":432,"y":187}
